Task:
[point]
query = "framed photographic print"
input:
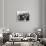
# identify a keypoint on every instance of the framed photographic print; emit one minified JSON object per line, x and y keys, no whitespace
{"x":23,"y":15}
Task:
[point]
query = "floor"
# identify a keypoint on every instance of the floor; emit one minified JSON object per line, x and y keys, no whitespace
{"x":23,"y":44}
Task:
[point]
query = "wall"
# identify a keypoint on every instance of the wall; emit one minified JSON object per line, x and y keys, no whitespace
{"x":35,"y":8}
{"x":44,"y":18}
{"x":1,"y":15}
